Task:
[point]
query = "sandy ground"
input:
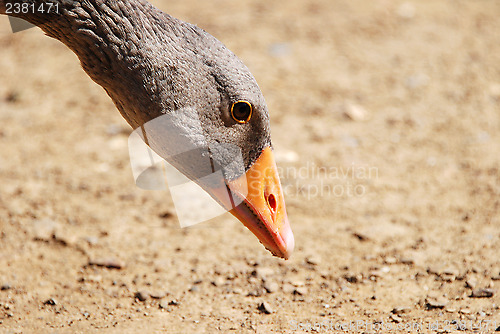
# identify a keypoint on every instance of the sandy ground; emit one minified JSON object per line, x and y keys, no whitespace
{"x":386,"y":126}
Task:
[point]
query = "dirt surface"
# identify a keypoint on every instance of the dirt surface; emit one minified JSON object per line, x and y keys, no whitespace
{"x":386,"y":126}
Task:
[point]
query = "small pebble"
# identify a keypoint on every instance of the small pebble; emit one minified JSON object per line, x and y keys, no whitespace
{"x":44,"y":229}
{"x":300,"y":291}
{"x":109,"y":263}
{"x":434,"y":270}
{"x":265,"y":308}
{"x":92,"y":241}
{"x":288,"y":288}
{"x":471,"y":283}
{"x":355,"y":112}
{"x":50,"y":301}
{"x":395,"y":318}
{"x":141,"y":295}
{"x":361,"y":236}
{"x":255,"y":293}
{"x":313,"y":260}
{"x":157,"y":295}
{"x":451,"y":271}
{"x":219,"y":281}
{"x":374,"y":274}
{"x":163,"y":305}
{"x":482,"y":293}
{"x":400,"y":310}
{"x":465,"y":311}
{"x":174,"y":302}
{"x":92,"y":278}
{"x":407,"y":261}
{"x":271,"y":287}
{"x":263,"y":272}
{"x":5,"y":286}
{"x":433,"y":303}
{"x":298,"y":283}
{"x":352,"y":278}
{"x":62,"y":238}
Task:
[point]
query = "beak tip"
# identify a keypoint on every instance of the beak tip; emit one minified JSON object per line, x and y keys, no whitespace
{"x":290,"y":245}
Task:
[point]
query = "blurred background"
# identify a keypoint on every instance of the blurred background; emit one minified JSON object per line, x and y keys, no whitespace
{"x":385,"y":120}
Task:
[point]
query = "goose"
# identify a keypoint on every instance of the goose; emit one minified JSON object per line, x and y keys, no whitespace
{"x":153,"y":66}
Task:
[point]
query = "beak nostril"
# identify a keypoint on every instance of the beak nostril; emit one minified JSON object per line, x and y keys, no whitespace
{"x":271,"y":202}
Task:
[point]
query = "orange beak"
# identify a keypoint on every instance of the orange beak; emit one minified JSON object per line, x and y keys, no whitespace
{"x":256,"y":199}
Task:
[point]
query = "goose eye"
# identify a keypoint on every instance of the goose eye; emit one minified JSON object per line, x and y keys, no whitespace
{"x":241,"y":111}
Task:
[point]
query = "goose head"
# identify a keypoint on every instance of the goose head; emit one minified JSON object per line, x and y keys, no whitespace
{"x":217,"y":120}
{"x":198,"y":105}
